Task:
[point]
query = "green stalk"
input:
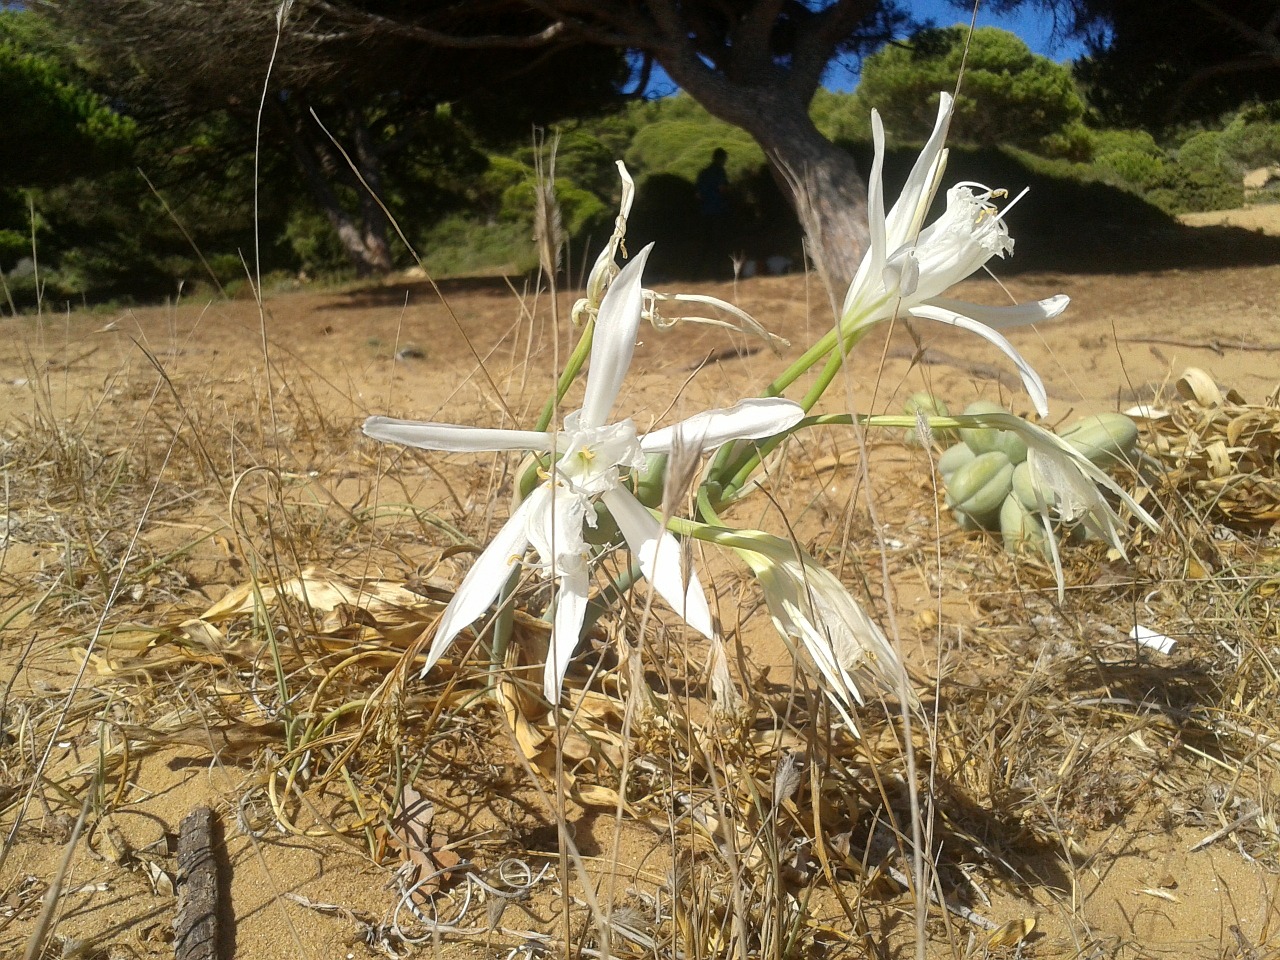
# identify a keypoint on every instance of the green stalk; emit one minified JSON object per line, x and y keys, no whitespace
{"x":503,"y":625}
{"x":572,"y":368}
{"x":764,"y":448}
{"x":835,"y":345}
{"x":613,"y":592}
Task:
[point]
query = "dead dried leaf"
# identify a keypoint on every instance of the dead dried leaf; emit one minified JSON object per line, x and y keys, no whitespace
{"x":428,"y":851}
{"x":1012,"y":933}
{"x":161,"y":881}
{"x":594,"y":795}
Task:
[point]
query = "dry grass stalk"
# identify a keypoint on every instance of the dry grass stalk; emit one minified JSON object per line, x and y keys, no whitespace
{"x":1050,"y":726}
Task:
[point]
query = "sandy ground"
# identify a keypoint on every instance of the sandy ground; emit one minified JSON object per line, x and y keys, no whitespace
{"x":397,"y":349}
{"x":1262,"y":219}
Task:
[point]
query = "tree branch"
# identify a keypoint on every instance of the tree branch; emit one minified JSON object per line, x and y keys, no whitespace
{"x":625,"y":27}
{"x":1264,"y":42}
{"x":816,"y":44}
{"x":553,"y":33}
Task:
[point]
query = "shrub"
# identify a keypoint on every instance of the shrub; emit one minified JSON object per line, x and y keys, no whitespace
{"x":461,"y":245}
{"x":1011,"y":96}
{"x":1133,"y":168}
{"x":315,"y":244}
{"x":1205,"y":176}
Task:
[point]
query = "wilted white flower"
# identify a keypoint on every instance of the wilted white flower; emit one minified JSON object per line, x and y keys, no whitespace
{"x":588,"y":459}
{"x":1069,"y":486}
{"x":808,"y":603}
{"x":606,"y":268}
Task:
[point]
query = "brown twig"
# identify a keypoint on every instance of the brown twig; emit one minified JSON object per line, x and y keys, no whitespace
{"x":1214,"y":344}
{"x":195,"y":927}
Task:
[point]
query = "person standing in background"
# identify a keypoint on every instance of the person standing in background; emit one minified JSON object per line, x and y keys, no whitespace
{"x":712,"y":189}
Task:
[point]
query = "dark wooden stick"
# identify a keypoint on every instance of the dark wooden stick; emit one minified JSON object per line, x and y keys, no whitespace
{"x":195,"y":926}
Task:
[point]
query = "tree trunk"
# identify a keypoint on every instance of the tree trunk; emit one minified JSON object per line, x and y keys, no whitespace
{"x":376,"y":225}
{"x":364,"y":240}
{"x":828,"y":194}
{"x":821,"y":180}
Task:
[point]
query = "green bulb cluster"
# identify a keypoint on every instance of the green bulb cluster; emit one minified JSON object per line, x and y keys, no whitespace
{"x":989,"y":484}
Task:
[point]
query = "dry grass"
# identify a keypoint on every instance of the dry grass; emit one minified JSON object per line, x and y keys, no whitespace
{"x":748,"y":827}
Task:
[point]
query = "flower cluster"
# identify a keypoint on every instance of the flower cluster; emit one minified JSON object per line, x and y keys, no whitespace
{"x":587,"y":460}
{"x":589,"y":463}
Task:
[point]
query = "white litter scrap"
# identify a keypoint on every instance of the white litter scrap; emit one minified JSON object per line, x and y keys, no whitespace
{"x":1151,"y":639}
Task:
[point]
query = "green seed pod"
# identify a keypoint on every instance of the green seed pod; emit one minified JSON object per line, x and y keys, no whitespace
{"x":980,"y":487}
{"x":953,"y":459}
{"x":605,"y":530}
{"x":1105,"y":438}
{"x":1020,"y":529}
{"x":1012,"y":446}
{"x":650,"y":481}
{"x":982,"y":439}
{"x":1024,"y":487}
{"x":930,"y":406}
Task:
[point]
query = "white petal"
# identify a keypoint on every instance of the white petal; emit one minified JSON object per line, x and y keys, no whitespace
{"x":748,"y":420}
{"x":658,"y":554}
{"x":487,"y":575}
{"x":571,"y":609}
{"x":1030,"y":379}
{"x":873,"y":261}
{"x":903,"y":220}
{"x":452,"y":437}
{"x":900,"y":228}
{"x":875,"y":199}
{"x":1003,"y":318}
{"x":614,"y":341}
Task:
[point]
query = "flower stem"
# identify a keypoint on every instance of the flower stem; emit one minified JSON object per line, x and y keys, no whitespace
{"x":733,"y":471}
{"x":572,"y":368}
{"x":614,"y":591}
{"x":503,"y":625}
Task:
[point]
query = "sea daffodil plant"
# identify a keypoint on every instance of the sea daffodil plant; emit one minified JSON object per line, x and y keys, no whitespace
{"x":908,"y":266}
{"x":589,"y":462}
{"x":587,"y":459}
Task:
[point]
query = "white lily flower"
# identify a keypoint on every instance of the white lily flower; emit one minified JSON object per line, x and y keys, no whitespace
{"x":808,"y":603}
{"x":907,"y":266}
{"x":589,"y":458}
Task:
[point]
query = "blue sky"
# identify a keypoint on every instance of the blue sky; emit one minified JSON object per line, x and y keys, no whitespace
{"x":1029,"y":22}
{"x":1032,"y":24}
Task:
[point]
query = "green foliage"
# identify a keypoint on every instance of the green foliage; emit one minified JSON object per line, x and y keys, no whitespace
{"x":54,"y":128}
{"x":1073,"y":142}
{"x":1125,"y":141}
{"x":1203,"y":172}
{"x":1129,"y":158}
{"x":459,"y":245}
{"x":840,"y":117}
{"x":13,"y":247}
{"x":1200,"y":170}
{"x":1204,"y":177}
{"x":1133,"y":168}
{"x":1251,"y":138}
{"x":679,"y":137}
{"x":1011,"y":96}
{"x":314,"y":244}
